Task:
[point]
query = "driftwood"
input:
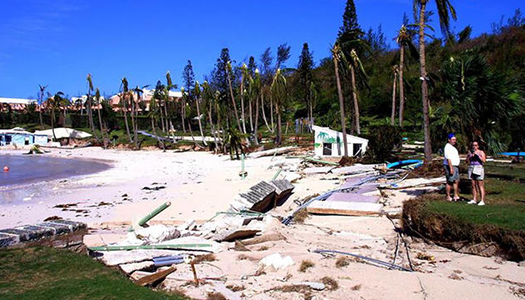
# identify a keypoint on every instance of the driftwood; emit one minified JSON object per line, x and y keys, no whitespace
{"x":344,"y":208}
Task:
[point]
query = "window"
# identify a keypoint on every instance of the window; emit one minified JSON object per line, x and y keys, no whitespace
{"x":327,"y":149}
{"x":357,"y":149}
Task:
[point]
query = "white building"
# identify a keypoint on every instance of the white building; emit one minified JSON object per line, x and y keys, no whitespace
{"x":329,"y":142}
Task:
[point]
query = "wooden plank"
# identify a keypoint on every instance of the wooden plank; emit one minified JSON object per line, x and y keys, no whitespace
{"x":149,"y":279}
{"x":344,"y":208}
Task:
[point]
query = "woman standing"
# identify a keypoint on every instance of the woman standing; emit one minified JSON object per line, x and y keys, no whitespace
{"x":476,"y":158}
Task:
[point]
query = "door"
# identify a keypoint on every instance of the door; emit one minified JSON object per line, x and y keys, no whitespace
{"x":327,"y":148}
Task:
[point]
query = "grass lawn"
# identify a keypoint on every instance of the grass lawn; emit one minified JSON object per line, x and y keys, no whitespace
{"x":48,"y":273}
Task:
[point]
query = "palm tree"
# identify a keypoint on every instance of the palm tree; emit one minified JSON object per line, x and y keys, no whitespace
{"x":336,"y":54}
{"x":254,"y":93}
{"x":134,"y":111}
{"x":40,"y":99}
{"x":244,"y":77}
{"x":279,"y":95}
{"x":98,"y":98}
{"x":53,"y":103}
{"x":395,"y":70}
{"x":197,"y":94}
{"x":354,"y":63}
{"x":209,"y":103}
{"x":445,"y":10}
{"x":404,"y":40}
{"x":89,"y":103}
{"x":123,"y":95}
{"x":228,"y":73}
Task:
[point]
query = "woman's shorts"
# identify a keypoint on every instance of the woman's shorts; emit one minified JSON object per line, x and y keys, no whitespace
{"x":476,"y":173}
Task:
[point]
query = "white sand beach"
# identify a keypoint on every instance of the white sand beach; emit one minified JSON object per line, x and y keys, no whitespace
{"x":199,"y":184}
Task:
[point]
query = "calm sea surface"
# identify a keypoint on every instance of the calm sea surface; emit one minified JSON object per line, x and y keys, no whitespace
{"x":37,"y":168}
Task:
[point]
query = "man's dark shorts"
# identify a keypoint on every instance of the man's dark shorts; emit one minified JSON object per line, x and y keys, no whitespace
{"x":454,"y":177}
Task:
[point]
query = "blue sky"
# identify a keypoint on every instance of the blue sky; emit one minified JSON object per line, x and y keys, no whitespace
{"x":58,"y":42}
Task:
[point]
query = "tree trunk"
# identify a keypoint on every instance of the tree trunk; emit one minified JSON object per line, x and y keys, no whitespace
{"x":126,"y":118}
{"x":53,"y":123}
{"x":104,"y":141}
{"x":279,"y":126}
{"x":356,"y":103}
{"x":393,"y":116}
{"x":200,"y":122}
{"x":401,"y":85}
{"x":182,"y":117}
{"x":213,"y":131}
{"x":242,"y":107}
{"x":424,"y":86}
{"x":271,"y":114}
{"x":250,"y":111}
{"x":133,"y":123}
{"x":256,"y":123}
{"x":233,"y":103}
{"x":155,"y":133}
{"x":264,"y":114}
{"x":341,"y":106}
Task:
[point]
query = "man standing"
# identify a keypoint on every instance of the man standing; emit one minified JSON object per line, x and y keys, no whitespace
{"x":451,"y":164}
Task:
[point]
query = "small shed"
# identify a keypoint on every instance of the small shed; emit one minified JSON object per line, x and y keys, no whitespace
{"x":329,"y":142}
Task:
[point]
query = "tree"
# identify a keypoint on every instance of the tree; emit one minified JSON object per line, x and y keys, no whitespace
{"x":395,"y":70}
{"x":279,"y":95}
{"x":197,"y":93}
{"x":230,"y":85}
{"x":445,"y":10}
{"x":336,"y":54}
{"x":355,"y":63}
{"x":54,"y":103}
{"x":98,"y":98}
{"x":123,"y":98}
{"x":40,"y":100}
{"x":404,"y":40}
{"x":244,"y":78}
{"x":304,"y":68}
{"x":188,"y":77}
{"x":89,"y":103}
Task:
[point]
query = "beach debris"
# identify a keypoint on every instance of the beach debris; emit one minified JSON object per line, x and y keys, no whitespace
{"x":344,"y":208}
{"x":154,"y":213}
{"x":235,"y":234}
{"x":319,"y":161}
{"x":262,"y":197}
{"x":270,"y":152}
{"x":198,"y":247}
{"x":154,"y":188}
{"x":317,"y":170}
{"x":425,"y":256}
{"x":305,"y":265}
{"x":139,"y":266}
{"x":169,"y":260}
{"x":276,"y":262}
{"x":243,"y":172}
{"x":318,"y":286}
{"x":157,"y":233}
{"x":59,"y":233}
{"x":151,"y":279}
{"x":370,"y":260}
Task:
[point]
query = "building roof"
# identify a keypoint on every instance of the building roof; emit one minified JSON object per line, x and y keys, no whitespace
{"x":17,"y":101}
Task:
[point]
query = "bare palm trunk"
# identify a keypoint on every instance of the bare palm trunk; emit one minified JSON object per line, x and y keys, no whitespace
{"x":264,"y":114}
{"x":233,"y":103}
{"x":155,"y":133}
{"x":213,"y":131}
{"x":424,"y":86}
{"x":126,"y":118}
{"x":393,"y":116}
{"x":256,"y":124}
{"x":182,"y":114}
{"x":279,"y":126}
{"x":100,"y":123}
{"x":401,"y":85}
{"x":250,"y":111}
{"x":133,"y":123}
{"x":341,"y":105}
{"x":200,"y":122}
{"x":356,"y":103}
{"x":242,"y":107}
{"x":271,"y":114}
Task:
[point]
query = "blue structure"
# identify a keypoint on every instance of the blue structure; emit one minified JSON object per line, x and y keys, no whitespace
{"x":20,"y":137}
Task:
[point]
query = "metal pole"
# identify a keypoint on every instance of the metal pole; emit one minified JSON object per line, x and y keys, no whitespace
{"x":155,"y":212}
{"x":276,"y":174}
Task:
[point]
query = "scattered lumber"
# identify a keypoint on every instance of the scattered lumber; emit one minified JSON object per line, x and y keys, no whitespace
{"x":150,"y":279}
{"x":272,"y":152}
{"x":344,"y":208}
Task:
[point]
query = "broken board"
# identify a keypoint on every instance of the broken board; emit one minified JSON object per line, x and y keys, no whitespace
{"x":344,"y":208}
